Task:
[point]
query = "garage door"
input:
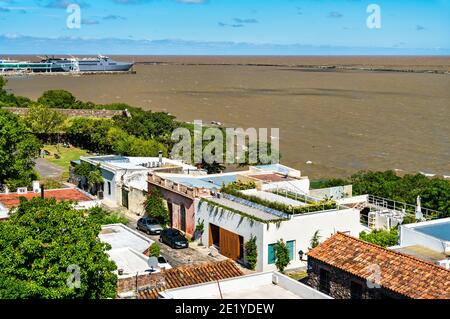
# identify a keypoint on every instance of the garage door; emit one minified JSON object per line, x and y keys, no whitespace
{"x":230,"y":245}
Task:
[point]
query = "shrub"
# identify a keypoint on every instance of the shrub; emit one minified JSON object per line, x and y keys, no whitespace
{"x":155,"y":206}
{"x":251,"y":253}
{"x":154,"y":250}
{"x":315,"y":240}
{"x":381,"y":237}
{"x":282,"y":255}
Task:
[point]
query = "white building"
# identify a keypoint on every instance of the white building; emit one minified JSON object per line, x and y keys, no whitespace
{"x":269,"y":285}
{"x":426,"y":240}
{"x":127,"y":249}
{"x":125,"y":178}
{"x":230,"y":222}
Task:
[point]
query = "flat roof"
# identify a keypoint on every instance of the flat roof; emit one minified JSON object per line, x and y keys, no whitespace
{"x":268,"y":285}
{"x":12,"y":200}
{"x":421,"y":252}
{"x":121,"y":236}
{"x":137,"y":163}
{"x":129,"y":260}
{"x":207,"y":181}
{"x":273,"y":197}
{"x":272,"y":177}
{"x":245,"y":209}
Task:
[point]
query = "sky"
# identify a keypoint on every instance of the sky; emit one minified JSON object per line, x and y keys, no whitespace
{"x":291,"y":27}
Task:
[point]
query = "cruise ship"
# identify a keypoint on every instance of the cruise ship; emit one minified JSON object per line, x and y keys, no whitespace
{"x":98,"y":64}
{"x":37,"y":67}
{"x":103,"y":64}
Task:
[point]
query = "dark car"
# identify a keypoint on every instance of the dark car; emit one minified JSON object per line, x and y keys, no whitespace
{"x":149,"y":225}
{"x":174,"y":238}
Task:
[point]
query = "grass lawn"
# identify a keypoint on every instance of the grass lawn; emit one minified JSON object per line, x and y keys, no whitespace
{"x":297,"y":275}
{"x":66,"y":155}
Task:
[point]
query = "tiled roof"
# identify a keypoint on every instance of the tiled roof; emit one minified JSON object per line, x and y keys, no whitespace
{"x":193,"y":275}
{"x":13,"y":199}
{"x":402,"y":274}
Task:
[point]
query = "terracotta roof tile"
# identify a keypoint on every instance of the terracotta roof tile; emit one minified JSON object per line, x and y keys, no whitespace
{"x":13,"y":199}
{"x":403,"y":274}
{"x":193,"y":275}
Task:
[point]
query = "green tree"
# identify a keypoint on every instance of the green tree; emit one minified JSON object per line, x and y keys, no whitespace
{"x":383,"y":238}
{"x":102,"y":217}
{"x":41,"y":119}
{"x":212,"y":168}
{"x":281,"y":255}
{"x":154,"y":250}
{"x":43,"y":244}
{"x":93,"y":175}
{"x":315,"y":240}
{"x":58,"y":99}
{"x":18,"y":149}
{"x":95,"y":178}
{"x":251,"y":253}
{"x":155,"y":206}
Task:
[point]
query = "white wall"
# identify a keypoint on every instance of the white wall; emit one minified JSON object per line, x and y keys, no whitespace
{"x":231,"y":222}
{"x":254,"y":281}
{"x":409,"y":237}
{"x":300,"y":229}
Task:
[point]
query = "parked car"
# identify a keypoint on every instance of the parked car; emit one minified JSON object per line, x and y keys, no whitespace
{"x":174,"y":238}
{"x":149,"y":225}
{"x":162,"y":263}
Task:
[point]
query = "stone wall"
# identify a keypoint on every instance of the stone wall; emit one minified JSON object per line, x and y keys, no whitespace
{"x":146,"y":281}
{"x":340,"y":282}
{"x":22,"y":111}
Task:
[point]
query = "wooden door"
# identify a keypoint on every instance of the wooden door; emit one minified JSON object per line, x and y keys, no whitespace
{"x":230,"y":244}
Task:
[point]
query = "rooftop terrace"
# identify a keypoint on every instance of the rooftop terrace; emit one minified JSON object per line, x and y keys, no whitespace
{"x":256,"y":286}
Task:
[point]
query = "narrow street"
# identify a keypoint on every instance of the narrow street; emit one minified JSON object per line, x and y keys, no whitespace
{"x":179,"y":257}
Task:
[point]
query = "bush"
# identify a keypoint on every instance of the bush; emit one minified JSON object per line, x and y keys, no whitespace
{"x":155,"y":206}
{"x":323,"y":205}
{"x":282,"y":255}
{"x":315,"y":240}
{"x":383,"y":238}
{"x":251,"y":253}
{"x":58,"y":99}
{"x":103,"y":217}
{"x":154,"y":250}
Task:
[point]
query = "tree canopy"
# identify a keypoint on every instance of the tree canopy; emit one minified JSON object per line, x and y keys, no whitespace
{"x":155,"y":206}
{"x":435,"y":192}
{"x":49,"y":250}
{"x":41,"y":119}
{"x":18,"y":148}
{"x":384,"y":238}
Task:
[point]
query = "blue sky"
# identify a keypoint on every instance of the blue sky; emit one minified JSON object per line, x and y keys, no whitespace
{"x":225,"y":27}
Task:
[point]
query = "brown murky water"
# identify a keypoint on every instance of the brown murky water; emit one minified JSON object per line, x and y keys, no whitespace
{"x":343,"y":120}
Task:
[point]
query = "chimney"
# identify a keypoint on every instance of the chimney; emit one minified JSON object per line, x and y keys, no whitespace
{"x":42,"y":191}
{"x":160,"y":158}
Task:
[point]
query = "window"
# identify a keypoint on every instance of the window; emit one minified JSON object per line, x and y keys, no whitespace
{"x":291,"y":247}
{"x":109,"y":188}
{"x":355,"y":290}
{"x":272,"y":257}
{"x":324,"y":281}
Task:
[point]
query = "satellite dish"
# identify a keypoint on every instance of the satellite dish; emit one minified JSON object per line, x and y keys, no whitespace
{"x":152,"y":263}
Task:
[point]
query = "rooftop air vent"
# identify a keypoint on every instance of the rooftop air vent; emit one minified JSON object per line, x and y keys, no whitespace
{"x":22,"y":190}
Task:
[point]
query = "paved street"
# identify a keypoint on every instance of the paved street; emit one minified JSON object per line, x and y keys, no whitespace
{"x":48,"y":170}
{"x":179,"y":257}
